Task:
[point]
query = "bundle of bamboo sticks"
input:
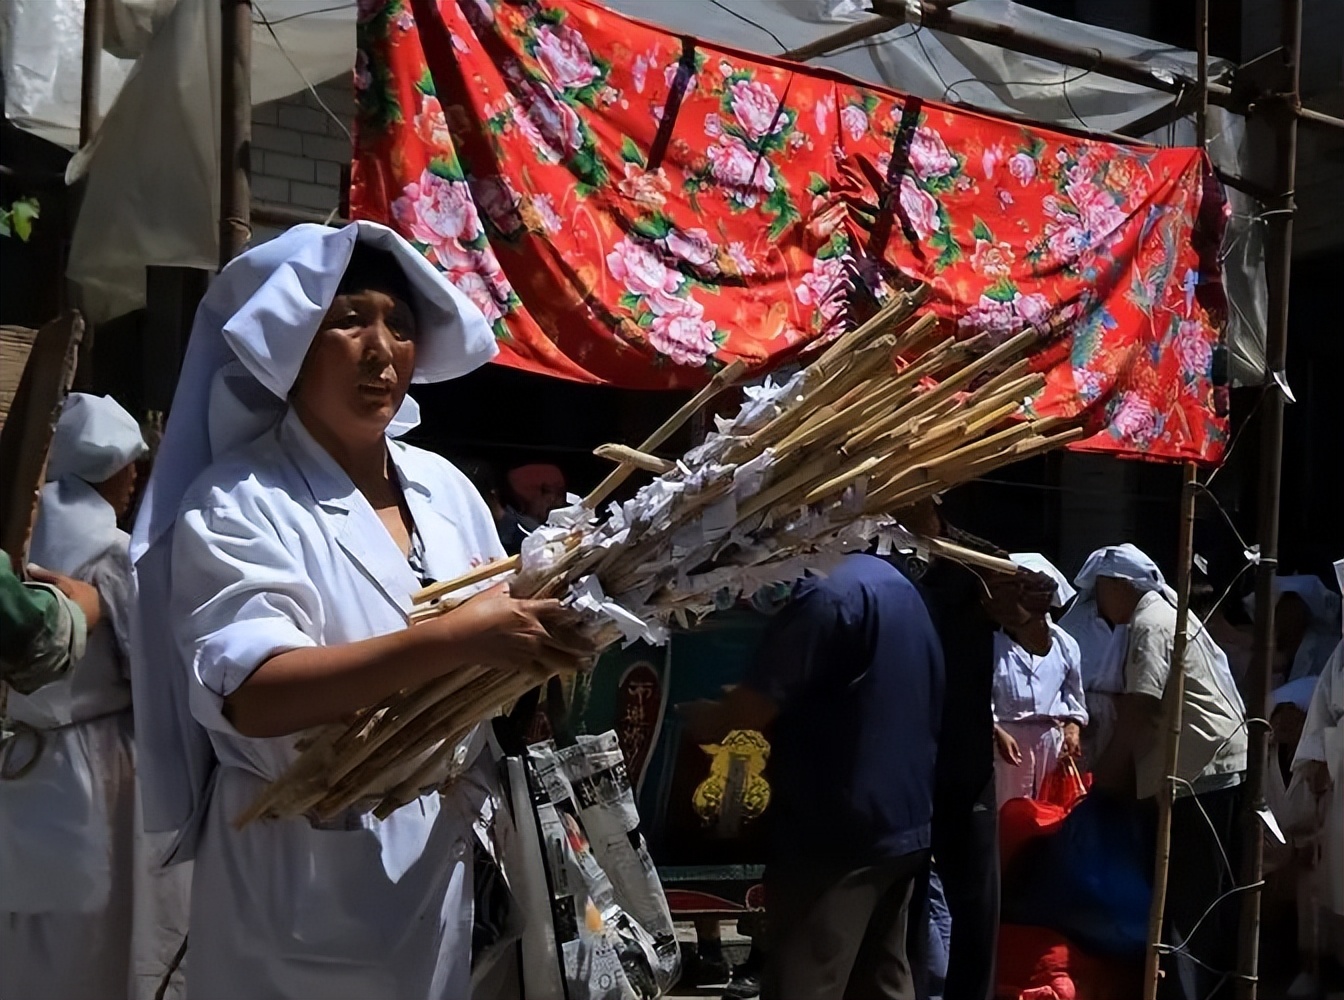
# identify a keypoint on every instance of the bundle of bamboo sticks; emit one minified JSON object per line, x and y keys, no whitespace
{"x":890,"y":414}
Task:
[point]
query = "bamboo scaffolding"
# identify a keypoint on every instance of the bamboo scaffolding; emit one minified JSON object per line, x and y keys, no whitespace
{"x":889,"y":414}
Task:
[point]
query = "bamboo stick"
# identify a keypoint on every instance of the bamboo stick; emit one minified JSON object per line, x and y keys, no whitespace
{"x":472,"y":577}
{"x":642,"y":461}
{"x":721,"y":380}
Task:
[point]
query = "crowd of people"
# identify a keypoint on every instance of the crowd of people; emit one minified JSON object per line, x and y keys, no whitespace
{"x":158,"y":680}
{"x":910,"y":700}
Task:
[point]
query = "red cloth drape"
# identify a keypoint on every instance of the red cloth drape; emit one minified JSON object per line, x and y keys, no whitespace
{"x":635,"y":207}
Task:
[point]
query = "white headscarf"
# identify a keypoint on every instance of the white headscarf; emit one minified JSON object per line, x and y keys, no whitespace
{"x":1037,"y":563}
{"x":248,"y":342}
{"x":94,"y":440}
{"x":1106,"y":647}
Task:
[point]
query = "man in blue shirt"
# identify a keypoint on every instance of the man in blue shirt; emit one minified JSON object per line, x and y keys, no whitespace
{"x":850,"y":673}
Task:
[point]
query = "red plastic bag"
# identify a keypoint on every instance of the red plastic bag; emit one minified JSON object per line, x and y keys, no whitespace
{"x":1064,"y":786}
{"x":1039,"y":964}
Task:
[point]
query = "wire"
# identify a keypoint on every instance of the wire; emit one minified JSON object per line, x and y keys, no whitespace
{"x":270,"y":27}
{"x":759,"y":27}
{"x":311,"y":13}
{"x":1217,"y":839}
{"x":1237,"y":437}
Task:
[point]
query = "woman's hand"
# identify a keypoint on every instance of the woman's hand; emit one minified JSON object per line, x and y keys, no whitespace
{"x":84,"y":595}
{"x":1073,"y":740}
{"x":495,"y":629}
{"x":1007,"y":747}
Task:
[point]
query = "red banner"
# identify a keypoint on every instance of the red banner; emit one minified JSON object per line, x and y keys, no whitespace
{"x":635,"y":207}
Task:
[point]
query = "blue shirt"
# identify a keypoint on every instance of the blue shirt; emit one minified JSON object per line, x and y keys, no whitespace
{"x":855,"y":665}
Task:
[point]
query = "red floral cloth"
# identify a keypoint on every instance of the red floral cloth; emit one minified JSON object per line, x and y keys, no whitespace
{"x":635,"y":207}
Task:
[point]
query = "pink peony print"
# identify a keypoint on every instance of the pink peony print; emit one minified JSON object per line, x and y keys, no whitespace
{"x":1193,"y":350}
{"x":480,"y":278}
{"x":754,"y":106}
{"x":1023,"y":167}
{"x":1088,"y":383}
{"x":642,"y":273}
{"x":557,"y":128}
{"x":998,"y":319}
{"x":564,"y":55}
{"x":692,"y":246}
{"x":825,"y":289}
{"x":855,"y":121}
{"x":647,"y":190}
{"x":822,"y":111}
{"x":1067,"y":240}
{"x":1101,"y":215}
{"x":1034,"y":308}
{"x":737,"y":253}
{"x":746,"y":173}
{"x":989,"y":161}
{"x":431,"y":126}
{"x":929,"y":155}
{"x":546,"y":213}
{"x":993,"y":260}
{"x":684,"y":335}
{"x":439,"y":213}
{"x":920,"y":208}
{"x":713,"y":125}
{"x":1135,"y":419}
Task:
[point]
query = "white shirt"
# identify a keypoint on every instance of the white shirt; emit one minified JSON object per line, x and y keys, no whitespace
{"x":1212,"y":751}
{"x":276,"y":549}
{"x":1033,"y":687}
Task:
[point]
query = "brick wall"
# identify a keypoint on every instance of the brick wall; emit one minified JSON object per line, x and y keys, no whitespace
{"x":299,"y":154}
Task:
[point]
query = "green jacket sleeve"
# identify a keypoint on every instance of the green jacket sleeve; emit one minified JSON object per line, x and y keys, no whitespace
{"x":42,"y":632}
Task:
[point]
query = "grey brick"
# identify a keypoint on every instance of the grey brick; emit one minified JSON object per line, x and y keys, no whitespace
{"x":322,"y":147}
{"x":329,"y":174}
{"x":277,"y":140}
{"x":265,"y":114}
{"x":340,"y":97}
{"x":295,"y":168}
{"x":303,"y":119}
{"x":270,"y":189}
{"x":313,"y":196}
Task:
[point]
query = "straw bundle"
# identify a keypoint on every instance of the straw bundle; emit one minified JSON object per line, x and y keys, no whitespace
{"x":890,"y":414}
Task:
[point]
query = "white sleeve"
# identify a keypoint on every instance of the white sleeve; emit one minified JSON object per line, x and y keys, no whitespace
{"x":114,"y":578}
{"x":1321,"y":713}
{"x":239,"y":598}
{"x":1075,"y":702}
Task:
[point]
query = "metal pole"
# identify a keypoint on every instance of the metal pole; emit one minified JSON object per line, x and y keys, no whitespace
{"x":235,"y":128}
{"x":1173,"y":711}
{"x":1278,"y":270}
{"x":88,"y":84}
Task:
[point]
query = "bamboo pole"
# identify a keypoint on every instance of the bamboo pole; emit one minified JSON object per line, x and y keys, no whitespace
{"x":641,"y":460}
{"x":235,"y":129}
{"x":1173,"y":711}
{"x":1278,"y":268}
{"x":723,"y":378}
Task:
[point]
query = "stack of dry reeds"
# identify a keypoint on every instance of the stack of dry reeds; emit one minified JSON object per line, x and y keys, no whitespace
{"x":890,"y":414}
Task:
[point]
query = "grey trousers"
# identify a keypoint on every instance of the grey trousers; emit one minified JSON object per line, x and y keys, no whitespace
{"x":840,"y":935}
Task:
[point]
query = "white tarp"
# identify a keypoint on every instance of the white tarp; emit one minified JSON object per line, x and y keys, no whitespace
{"x":114,"y":238}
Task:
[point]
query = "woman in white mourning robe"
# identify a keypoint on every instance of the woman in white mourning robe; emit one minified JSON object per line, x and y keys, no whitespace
{"x":285,"y":533}
{"x":1319,"y":765}
{"x":80,"y":916}
{"x":1039,"y":710}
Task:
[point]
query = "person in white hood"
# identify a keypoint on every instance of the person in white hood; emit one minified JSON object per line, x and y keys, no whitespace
{"x":78,"y":917}
{"x":1039,"y":713}
{"x":283,"y":535}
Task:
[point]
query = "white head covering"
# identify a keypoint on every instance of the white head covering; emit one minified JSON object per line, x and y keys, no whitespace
{"x":250,"y":337}
{"x":1124,"y":562}
{"x":1037,"y":563}
{"x":95,"y":439}
{"x":1107,"y":649}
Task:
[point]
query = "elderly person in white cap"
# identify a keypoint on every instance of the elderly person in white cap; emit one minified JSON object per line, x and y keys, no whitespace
{"x":1128,"y":590}
{"x":284,"y":533}
{"x":77,"y":918}
{"x":1039,"y":713}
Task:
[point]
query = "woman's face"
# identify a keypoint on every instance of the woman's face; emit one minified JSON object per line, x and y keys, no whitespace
{"x":118,"y":490}
{"x":359,"y":366}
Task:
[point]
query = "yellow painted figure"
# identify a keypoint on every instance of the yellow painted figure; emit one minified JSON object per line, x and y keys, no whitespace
{"x":736,"y":791}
